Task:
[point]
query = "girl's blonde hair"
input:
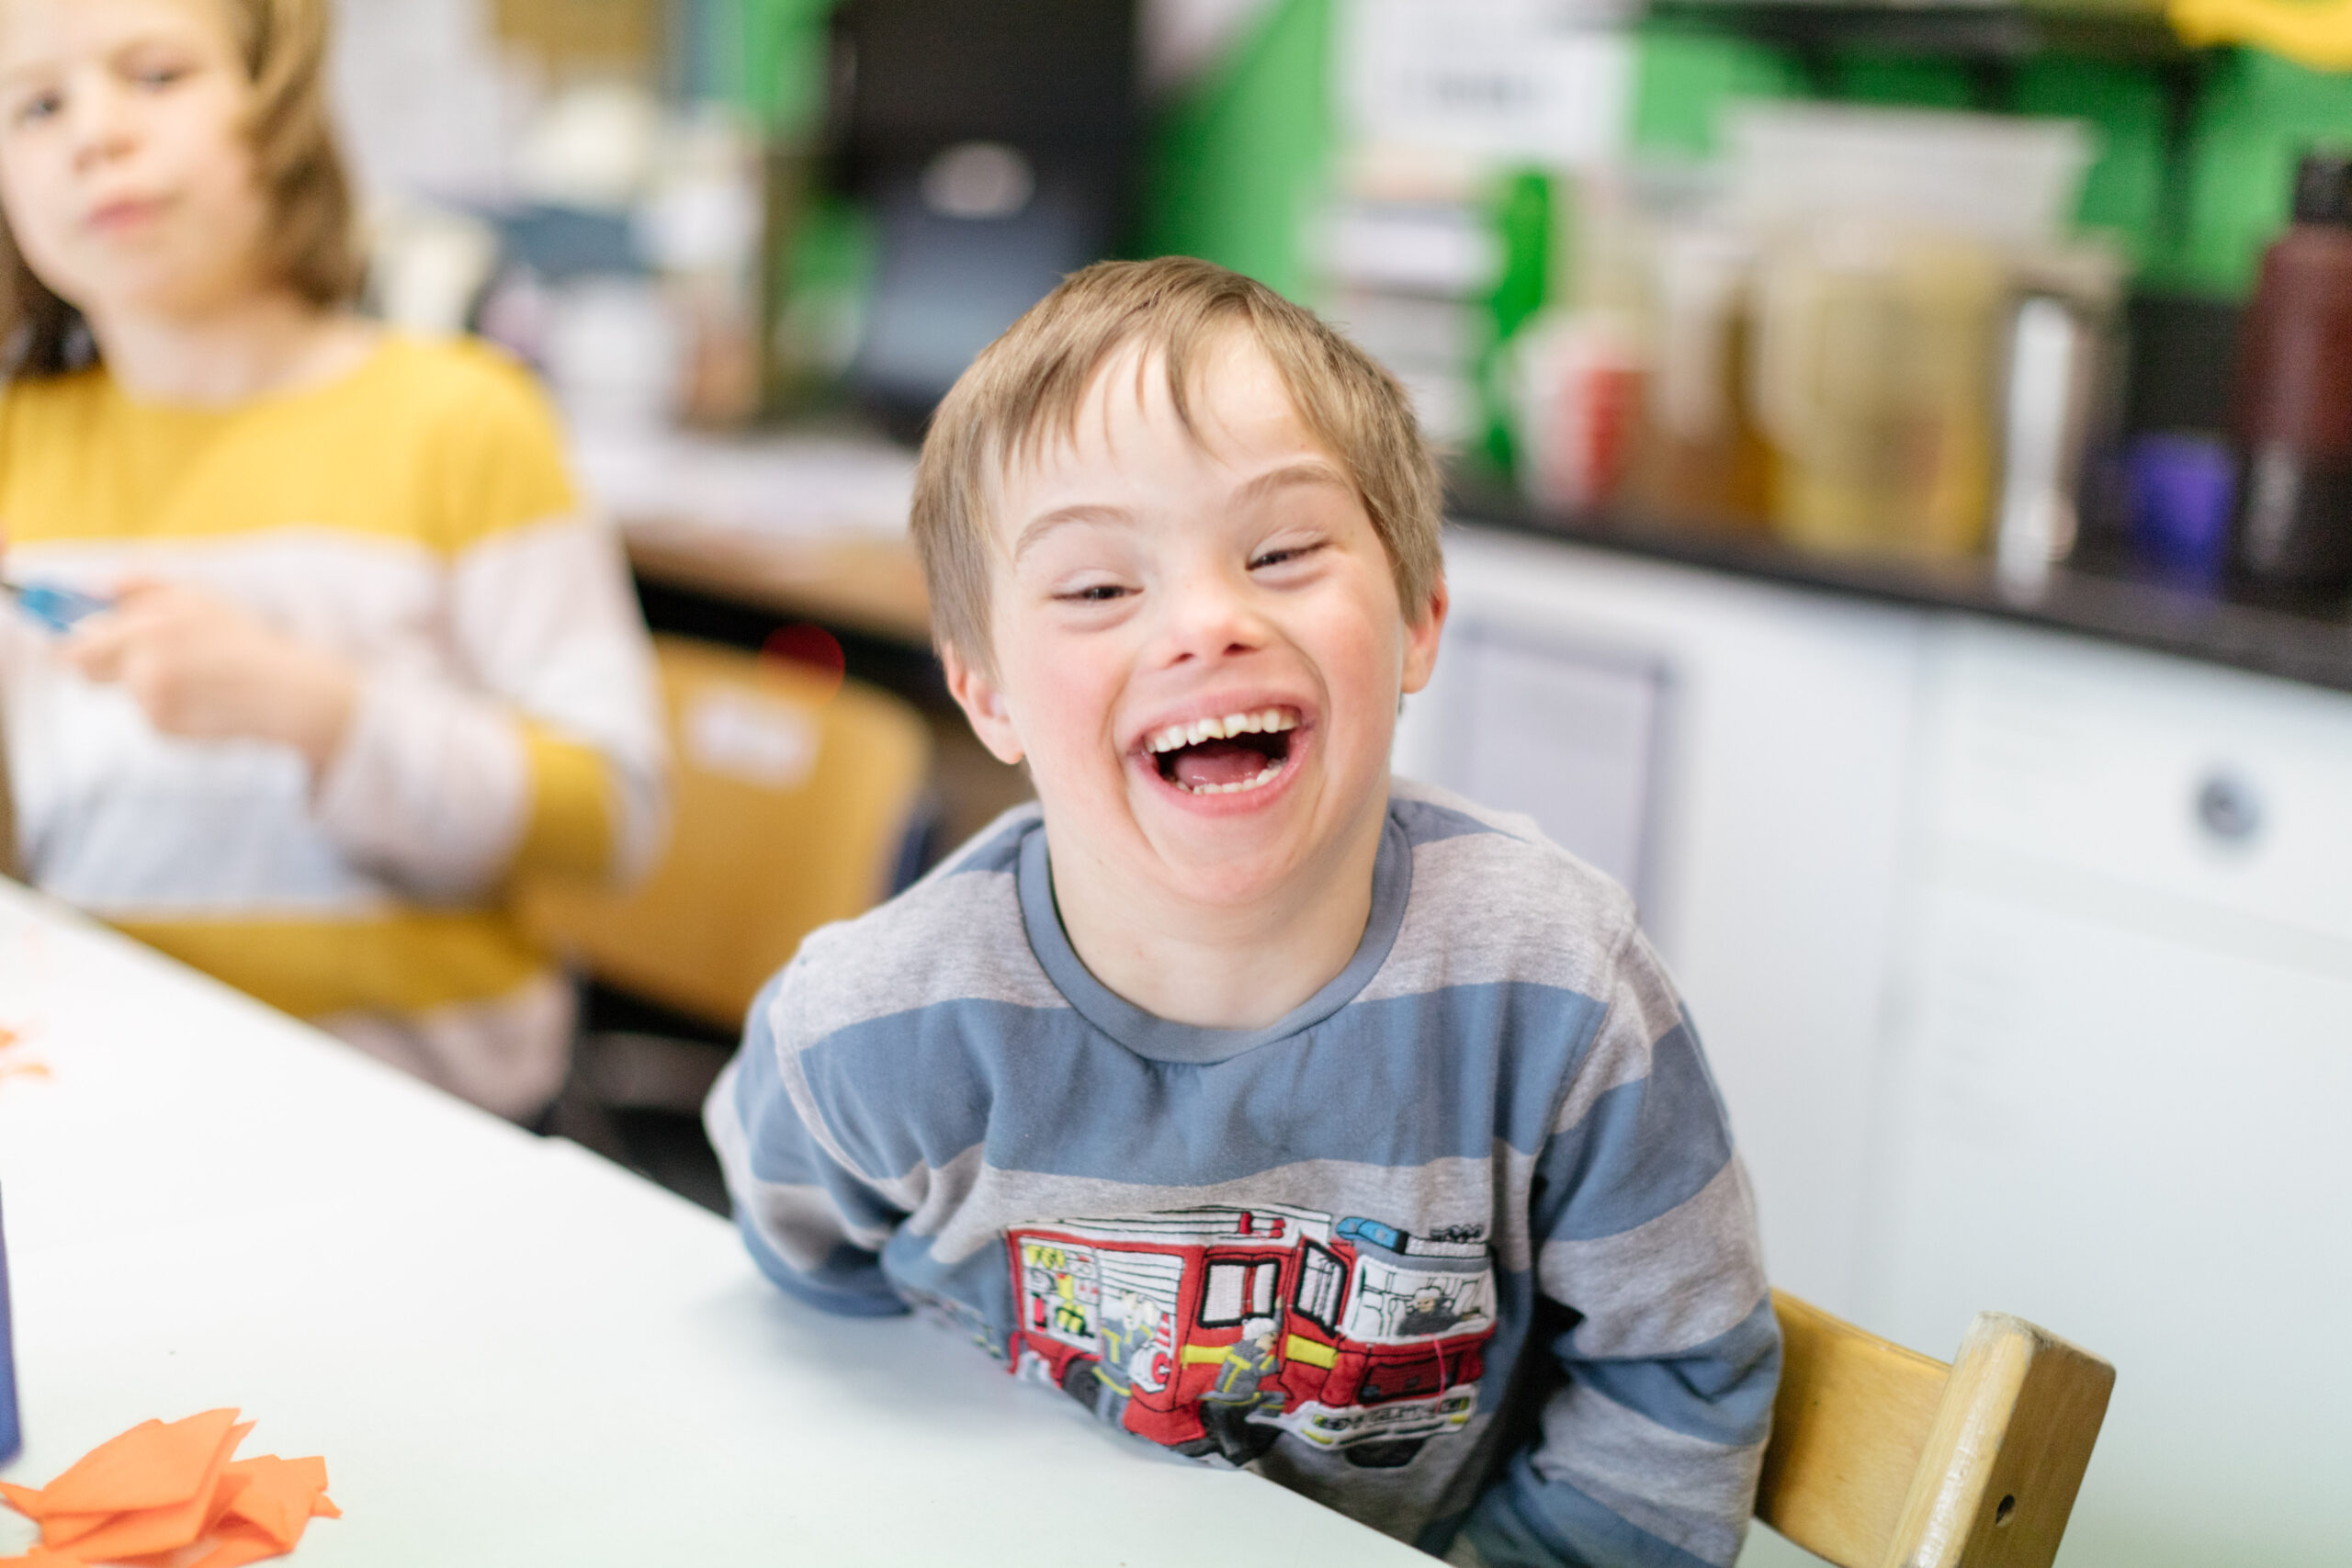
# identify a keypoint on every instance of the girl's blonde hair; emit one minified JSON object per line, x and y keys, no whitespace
{"x":1028,"y":387}
{"x":310,"y":245}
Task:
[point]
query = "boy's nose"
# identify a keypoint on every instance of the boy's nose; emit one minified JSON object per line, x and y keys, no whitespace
{"x":1205,"y":617}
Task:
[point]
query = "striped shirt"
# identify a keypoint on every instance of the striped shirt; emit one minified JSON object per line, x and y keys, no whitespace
{"x":1460,"y":1247}
{"x":414,"y":516}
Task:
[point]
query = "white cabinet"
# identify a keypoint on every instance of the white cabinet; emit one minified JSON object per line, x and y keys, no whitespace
{"x":2121,"y":1101}
{"x":1773,"y":728}
{"x":2025,"y":963}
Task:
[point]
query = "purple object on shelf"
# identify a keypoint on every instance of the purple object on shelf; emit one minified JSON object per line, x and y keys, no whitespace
{"x":2183,"y":489}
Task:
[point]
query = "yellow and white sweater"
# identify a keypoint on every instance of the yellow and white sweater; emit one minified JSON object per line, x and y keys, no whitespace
{"x":415,"y":516}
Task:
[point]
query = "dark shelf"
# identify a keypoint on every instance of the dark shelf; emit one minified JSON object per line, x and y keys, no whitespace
{"x":2313,"y":645}
{"x":1996,"y":31}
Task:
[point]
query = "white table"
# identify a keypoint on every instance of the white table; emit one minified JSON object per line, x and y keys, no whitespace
{"x":509,"y":1351}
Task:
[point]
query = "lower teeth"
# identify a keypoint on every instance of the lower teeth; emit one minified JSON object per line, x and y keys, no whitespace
{"x":1231,"y":788}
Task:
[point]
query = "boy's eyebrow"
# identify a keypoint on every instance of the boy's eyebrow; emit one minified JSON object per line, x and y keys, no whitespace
{"x":1045,"y":523}
{"x":1309,"y":471}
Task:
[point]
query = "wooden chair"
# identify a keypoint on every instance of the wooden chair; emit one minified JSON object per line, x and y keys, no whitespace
{"x":791,"y":806}
{"x":1884,"y":1458}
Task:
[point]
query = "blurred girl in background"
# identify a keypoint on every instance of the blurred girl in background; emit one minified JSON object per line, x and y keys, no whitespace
{"x":363,"y":659}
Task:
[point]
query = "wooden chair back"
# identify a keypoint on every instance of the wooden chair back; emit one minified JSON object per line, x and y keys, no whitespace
{"x":790,"y":806}
{"x":1884,"y":1457}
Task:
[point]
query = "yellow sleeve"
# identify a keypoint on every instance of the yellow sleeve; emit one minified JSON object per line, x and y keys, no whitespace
{"x":541,"y":589}
{"x":570,"y":830}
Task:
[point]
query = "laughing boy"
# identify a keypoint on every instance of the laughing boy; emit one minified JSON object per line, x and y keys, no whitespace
{"x":1280,"y":1112}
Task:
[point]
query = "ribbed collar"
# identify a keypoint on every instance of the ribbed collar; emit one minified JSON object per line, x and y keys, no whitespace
{"x":1147,"y":1034}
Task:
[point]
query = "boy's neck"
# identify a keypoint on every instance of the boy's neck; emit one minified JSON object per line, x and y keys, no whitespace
{"x":1222,"y":966}
{"x":260,"y":344}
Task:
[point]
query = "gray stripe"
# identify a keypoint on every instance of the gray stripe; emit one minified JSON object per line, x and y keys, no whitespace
{"x":1643,"y":1010}
{"x":1721,"y":1391}
{"x":933,"y":943}
{"x":1417,"y":1199}
{"x":1487,"y":908}
{"x":1680,"y":1489}
{"x":1148,"y":1035}
{"x":1399,"y":1083}
{"x":1661,"y":1288}
{"x":802,"y":1225}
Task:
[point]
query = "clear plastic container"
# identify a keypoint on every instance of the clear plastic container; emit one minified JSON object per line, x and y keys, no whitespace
{"x":2002,"y":179}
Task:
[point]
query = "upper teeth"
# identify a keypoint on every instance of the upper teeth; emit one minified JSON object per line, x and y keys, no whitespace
{"x":1271,"y":721}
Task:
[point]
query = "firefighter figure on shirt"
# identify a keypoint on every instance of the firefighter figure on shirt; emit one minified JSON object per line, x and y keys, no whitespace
{"x":1241,"y":1387}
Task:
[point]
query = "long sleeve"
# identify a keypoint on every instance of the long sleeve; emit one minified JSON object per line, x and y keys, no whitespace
{"x":535,"y":746}
{"x":1666,"y":1352}
{"x":812,"y":1225}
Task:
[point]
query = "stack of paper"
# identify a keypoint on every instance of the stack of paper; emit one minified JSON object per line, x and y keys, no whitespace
{"x":166,"y":1495}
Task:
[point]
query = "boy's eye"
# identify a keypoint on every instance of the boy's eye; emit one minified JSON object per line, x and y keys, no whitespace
{"x":38,"y":107}
{"x":157,"y":78}
{"x":1283,"y":555}
{"x":1092,"y":593}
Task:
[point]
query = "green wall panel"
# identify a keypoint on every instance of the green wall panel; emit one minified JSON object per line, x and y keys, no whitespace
{"x":1237,"y":168}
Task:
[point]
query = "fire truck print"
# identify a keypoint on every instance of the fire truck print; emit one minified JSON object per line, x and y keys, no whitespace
{"x":1216,"y":1330}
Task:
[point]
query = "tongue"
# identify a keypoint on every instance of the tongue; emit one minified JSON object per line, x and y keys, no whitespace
{"x":1218,"y":762}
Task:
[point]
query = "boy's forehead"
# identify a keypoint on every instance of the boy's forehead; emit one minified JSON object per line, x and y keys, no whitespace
{"x":1237,"y":411}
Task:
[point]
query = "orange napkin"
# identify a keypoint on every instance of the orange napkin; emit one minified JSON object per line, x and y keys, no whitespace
{"x":166,"y":1495}
{"x":18,"y":1068}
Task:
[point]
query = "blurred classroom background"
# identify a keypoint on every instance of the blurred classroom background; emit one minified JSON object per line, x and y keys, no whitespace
{"x":1903,"y":533}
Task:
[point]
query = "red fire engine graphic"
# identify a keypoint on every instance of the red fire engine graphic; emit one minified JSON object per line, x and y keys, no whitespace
{"x":1218,"y":1329}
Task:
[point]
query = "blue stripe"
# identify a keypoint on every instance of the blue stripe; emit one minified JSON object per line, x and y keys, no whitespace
{"x":1001,"y":853}
{"x":1524,"y":1521}
{"x":1643,"y":1149}
{"x":1721,"y":1390}
{"x":1428,"y":824}
{"x":783,"y":1151}
{"x":1397,"y":1082}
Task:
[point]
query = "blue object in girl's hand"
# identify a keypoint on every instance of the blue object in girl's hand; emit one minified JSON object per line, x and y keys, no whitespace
{"x":54,"y":607}
{"x":11,"y":1434}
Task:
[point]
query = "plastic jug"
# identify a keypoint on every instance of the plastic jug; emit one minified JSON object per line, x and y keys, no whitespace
{"x":1703,"y":459}
{"x":1874,"y":377}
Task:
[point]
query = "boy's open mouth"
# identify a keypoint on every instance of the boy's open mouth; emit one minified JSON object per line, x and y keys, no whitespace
{"x":1224,"y":756}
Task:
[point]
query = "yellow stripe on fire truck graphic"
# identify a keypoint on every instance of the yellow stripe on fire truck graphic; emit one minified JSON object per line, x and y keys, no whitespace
{"x":1218,"y":1329}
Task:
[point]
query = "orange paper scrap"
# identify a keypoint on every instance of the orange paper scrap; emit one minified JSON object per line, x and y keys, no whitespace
{"x":166,"y":1495}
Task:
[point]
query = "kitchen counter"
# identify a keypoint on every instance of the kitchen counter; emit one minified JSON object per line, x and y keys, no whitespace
{"x":2311,"y":646}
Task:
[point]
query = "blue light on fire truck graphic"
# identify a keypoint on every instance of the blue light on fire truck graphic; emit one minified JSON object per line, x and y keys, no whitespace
{"x":1219,"y":1329}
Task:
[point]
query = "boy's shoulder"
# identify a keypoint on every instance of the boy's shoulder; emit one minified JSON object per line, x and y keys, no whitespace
{"x":1495,"y":900}
{"x":954,"y":938}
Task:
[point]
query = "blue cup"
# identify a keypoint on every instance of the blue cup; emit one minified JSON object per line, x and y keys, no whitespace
{"x":12,"y":1436}
{"x":2184,"y":488}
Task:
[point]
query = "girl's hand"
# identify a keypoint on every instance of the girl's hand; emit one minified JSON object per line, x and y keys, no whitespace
{"x":203,"y":668}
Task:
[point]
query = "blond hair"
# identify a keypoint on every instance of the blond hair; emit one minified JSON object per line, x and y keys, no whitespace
{"x":308,"y":244}
{"x":1031,"y":385}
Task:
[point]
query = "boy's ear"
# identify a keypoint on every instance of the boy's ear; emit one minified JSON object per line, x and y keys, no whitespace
{"x":983,"y":705}
{"x":1421,"y":639}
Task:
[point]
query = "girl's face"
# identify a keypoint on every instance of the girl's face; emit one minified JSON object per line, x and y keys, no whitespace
{"x":126,"y":169}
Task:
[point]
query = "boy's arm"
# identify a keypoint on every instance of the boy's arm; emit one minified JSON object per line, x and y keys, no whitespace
{"x":813,"y":1225}
{"x":1645,"y":1231}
